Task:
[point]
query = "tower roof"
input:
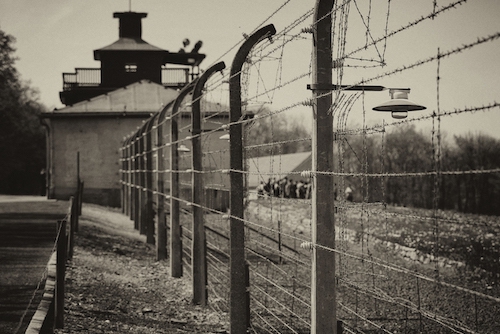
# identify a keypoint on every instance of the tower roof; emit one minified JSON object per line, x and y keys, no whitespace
{"x":140,"y":97}
{"x":130,"y":35}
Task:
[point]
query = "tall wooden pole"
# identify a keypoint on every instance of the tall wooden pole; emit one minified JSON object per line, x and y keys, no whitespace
{"x":323,"y":294}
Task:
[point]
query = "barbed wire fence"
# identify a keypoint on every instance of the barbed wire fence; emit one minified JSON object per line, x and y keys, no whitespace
{"x":246,"y":216}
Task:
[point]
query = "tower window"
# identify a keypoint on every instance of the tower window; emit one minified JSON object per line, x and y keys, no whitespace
{"x":130,"y":68}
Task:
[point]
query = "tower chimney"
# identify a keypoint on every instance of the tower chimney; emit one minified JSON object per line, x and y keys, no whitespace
{"x":130,"y":24}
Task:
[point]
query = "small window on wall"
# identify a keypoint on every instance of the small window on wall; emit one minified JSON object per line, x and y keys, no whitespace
{"x":130,"y":68}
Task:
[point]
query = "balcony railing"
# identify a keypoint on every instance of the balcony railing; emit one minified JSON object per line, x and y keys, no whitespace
{"x":83,"y":77}
{"x":178,"y":77}
{"x":91,"y":77}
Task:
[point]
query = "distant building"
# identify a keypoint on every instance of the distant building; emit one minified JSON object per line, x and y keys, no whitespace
{"x":103,"y":105}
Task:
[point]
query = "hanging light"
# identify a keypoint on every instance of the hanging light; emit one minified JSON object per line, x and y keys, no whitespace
{"x":399,"y":105}
{"x":225,"y":137}
{"x":183,"y":148}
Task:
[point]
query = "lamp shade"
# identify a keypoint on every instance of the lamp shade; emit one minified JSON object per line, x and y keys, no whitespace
{"x":399,"y":105}
{"x":183,"y":148}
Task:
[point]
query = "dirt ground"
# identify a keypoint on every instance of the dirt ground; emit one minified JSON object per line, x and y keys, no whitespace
{"x":115,"y":285}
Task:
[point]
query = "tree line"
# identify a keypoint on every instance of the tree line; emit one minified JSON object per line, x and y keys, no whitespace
{"x":460,"y":182}
{"x":408,"y":155}
{"x":22,"y":137}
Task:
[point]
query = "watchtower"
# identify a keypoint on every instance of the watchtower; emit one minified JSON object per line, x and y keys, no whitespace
{"x":128,"y":60}
{"x":103,"y":105}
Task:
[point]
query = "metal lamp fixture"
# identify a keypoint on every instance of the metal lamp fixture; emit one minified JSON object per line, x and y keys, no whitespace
{"x":183,"y":148}
{"x":225,"y":137}
{"x":399,"y":105}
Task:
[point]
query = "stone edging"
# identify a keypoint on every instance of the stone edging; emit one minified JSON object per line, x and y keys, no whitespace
{"x":36,"y":323}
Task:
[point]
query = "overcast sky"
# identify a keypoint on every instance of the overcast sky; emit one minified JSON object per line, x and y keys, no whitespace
{"x":56,"y":36}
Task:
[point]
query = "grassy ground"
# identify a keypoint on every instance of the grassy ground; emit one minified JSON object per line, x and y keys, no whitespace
{"x":401,"y":270}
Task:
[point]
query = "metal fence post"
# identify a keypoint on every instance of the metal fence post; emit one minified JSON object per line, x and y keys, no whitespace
{"x":198,"y":196}
{"x":238,"y":292}
{"x":323,"y":284}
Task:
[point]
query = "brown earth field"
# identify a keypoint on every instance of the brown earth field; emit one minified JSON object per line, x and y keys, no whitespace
{"x":115,"y":285}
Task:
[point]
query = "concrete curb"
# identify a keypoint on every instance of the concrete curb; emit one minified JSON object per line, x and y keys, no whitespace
{"x":46,"y":304}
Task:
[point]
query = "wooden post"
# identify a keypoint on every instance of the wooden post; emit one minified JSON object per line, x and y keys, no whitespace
{"x":60,"y":274}
{"x":198,"y":250}
{"x":238,"y":303}
{"x":323,"y":295}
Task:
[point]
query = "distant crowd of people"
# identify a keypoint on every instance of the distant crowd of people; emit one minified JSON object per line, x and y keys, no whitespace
{"x":285,"y":188}
{"x":288,"y":188}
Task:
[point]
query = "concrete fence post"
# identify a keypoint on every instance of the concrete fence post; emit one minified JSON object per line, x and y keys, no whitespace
{"x":175,"y":228}
{"x":198,"y":248}
{"x":135,"y":185}
{"x":323,"y":283}
{"x":161,"y":228}
{"x":142,"y":179}
{"x":238,"y":300}
{"x":149,"y":219}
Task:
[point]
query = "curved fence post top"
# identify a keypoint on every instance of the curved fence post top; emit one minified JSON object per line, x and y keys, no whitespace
{"x":200,"y":83}
{"x":151,"y":122}
{"x":245,"y":48}
{"x":164,"y":110}
{"x":182,"y":94}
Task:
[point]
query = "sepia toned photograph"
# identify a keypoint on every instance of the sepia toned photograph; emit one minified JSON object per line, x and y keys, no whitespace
{"x":231,"y":166}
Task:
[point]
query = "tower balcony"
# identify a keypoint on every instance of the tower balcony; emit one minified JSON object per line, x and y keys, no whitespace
{"x":86,"y":83}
